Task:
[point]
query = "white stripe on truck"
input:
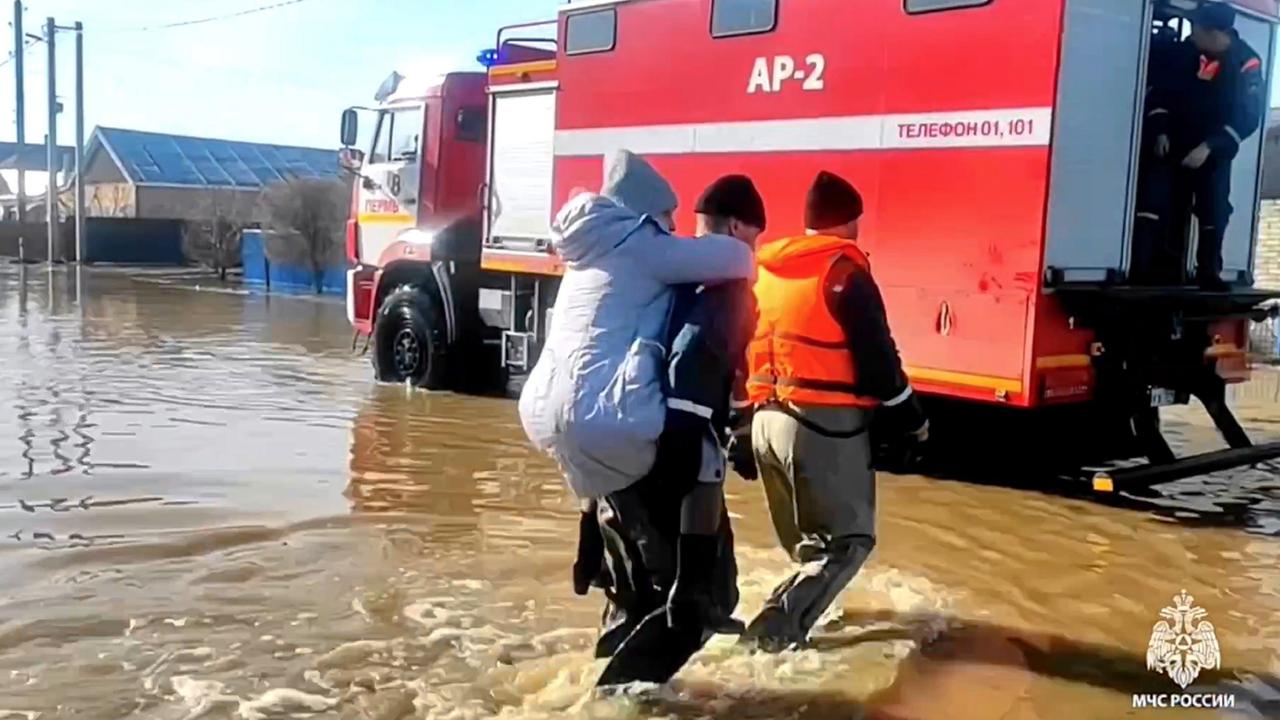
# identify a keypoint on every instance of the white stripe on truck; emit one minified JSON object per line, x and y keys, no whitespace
{"x":1011,"y":127}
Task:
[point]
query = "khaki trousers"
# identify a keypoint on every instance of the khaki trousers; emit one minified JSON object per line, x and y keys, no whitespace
{"x":822,"y":500}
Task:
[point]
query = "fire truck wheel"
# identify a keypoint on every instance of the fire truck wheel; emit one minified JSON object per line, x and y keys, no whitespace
{"x":409,"y":339}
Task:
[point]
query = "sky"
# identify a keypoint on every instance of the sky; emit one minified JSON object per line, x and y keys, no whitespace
{"x":282,"y":75}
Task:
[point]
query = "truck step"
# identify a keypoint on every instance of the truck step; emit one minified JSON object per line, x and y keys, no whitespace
{"x":1147,"y":475}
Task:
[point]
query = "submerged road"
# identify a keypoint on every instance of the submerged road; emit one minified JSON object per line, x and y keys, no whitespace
{"x":209,"y":510}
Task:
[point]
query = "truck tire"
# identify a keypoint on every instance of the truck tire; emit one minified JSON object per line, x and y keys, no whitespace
{"x":409,"y":338}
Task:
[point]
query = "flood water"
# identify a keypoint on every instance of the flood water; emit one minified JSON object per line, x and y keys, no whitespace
{"x":209,"y":510}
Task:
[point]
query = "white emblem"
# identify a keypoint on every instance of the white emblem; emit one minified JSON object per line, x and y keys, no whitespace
{"x":1184,"y":645}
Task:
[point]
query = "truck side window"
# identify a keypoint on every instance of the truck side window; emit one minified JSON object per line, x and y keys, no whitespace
{"x":730,"y":18}
{"x":405,"y":136}
{"x":471,"y":124}
{"x":591,"y":32}
{"x":381,"y":150}
{"x":915,"y":7}
{"x":398,"y":137}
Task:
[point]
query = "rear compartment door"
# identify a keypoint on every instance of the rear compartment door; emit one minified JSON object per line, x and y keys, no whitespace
{"x":1246,"y":171}
{"x":1095,"y":138}
{"x":521,"y":160}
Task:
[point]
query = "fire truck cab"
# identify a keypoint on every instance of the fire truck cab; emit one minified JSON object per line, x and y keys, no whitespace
{"x":413,"y":236}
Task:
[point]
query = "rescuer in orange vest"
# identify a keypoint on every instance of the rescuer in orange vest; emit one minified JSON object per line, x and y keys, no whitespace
{"x":821,"y":361}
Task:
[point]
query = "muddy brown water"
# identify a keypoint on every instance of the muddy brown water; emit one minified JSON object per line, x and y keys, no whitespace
{"x":208,"y":510}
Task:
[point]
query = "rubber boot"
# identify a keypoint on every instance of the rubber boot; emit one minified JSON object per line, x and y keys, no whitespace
{"x":590,"y":559}
{"x":692,"y":602}
{"x":1146,"y":231}
{"x":666,"y":639}
{"x":653,"y":653}
{"x":1209,"y":260}
{"x":772,"y":631}
{"x":617,"y":624}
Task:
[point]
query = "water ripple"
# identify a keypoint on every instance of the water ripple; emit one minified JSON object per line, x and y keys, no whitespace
{"x":208,"y":510}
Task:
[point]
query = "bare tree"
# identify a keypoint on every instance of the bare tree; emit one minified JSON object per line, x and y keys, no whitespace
{"x":111,"y":200}
{"x":213,"y":238}
{"x":305,"y":217}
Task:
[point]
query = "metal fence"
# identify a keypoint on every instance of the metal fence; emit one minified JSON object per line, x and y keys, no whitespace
{"x":1264,"y":338}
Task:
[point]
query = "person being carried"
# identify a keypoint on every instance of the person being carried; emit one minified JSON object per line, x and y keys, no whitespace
{"x":821,"y":362}
{"x":598,"y":402}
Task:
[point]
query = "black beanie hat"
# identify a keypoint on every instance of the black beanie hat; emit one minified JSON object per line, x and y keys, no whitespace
{"x":733,"y":196}
{"x":831,"y":202}
{"x":1214,"y":16}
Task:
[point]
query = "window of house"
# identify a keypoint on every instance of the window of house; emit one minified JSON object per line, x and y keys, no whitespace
{"x":591,"y":32}
{"x":743,"y":17}
{"x":924,"y":6}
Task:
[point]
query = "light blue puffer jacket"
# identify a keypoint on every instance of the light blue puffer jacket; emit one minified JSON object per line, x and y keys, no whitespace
{"x":594,"y":400}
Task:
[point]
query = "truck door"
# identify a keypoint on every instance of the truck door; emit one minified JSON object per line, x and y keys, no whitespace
{"x":1246,"y":171}
{"x":1093,"y":172}
{"x":518,"y":207}
{"x":389,"y":189}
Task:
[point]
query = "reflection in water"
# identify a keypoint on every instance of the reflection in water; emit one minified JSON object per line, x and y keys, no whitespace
{"x":208,"y":511}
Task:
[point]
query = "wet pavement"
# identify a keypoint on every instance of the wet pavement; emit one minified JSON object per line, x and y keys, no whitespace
{"x":209,"y":510}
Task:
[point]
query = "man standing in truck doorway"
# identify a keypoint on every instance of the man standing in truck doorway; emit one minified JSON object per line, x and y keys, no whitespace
{"x":1205,"y":101}
{"x":822,"y":360}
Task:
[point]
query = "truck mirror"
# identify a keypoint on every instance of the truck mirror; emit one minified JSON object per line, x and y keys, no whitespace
{"x":350,"y":127}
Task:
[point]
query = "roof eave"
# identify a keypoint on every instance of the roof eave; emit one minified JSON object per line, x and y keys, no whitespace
{"x":189,"y":186}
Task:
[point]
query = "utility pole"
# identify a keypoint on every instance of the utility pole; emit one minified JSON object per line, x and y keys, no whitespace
{"x":79,"y":142}
{"x":18,"y":47}
{"x":51,"y":140}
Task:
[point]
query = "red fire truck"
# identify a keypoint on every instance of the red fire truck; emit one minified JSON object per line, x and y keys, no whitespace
{"x":996,"y":143}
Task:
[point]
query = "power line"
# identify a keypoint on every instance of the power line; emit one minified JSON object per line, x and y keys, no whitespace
{"x":214,"y":18}
{"x":30,"y":41}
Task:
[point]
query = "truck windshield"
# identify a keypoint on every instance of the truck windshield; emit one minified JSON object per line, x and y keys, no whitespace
{"x":398,"y":135}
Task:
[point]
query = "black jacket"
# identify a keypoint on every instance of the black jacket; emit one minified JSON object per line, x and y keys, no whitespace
{"x":1195,"y":98}
{"x":854,"y":300}
{"x":708,"y":334}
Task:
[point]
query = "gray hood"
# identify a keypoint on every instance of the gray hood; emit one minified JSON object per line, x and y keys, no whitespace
{"x":589,"y":227}
{"x":634,"y":184}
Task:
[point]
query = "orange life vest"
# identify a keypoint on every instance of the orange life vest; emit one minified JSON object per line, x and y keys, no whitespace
{"x":799,"y":353}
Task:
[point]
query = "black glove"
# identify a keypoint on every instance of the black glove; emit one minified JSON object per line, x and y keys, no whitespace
{"x":903,"y":430}
{"x":692,"y":601}
{"x":590,"y":560}
{"x":913,"y":447}
{"x":905,"y":418}
{"x":742,"y":456}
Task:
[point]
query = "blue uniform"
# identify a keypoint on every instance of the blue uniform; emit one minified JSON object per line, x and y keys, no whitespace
{"x":1193,"y":99}
{"x":709,"y":329}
